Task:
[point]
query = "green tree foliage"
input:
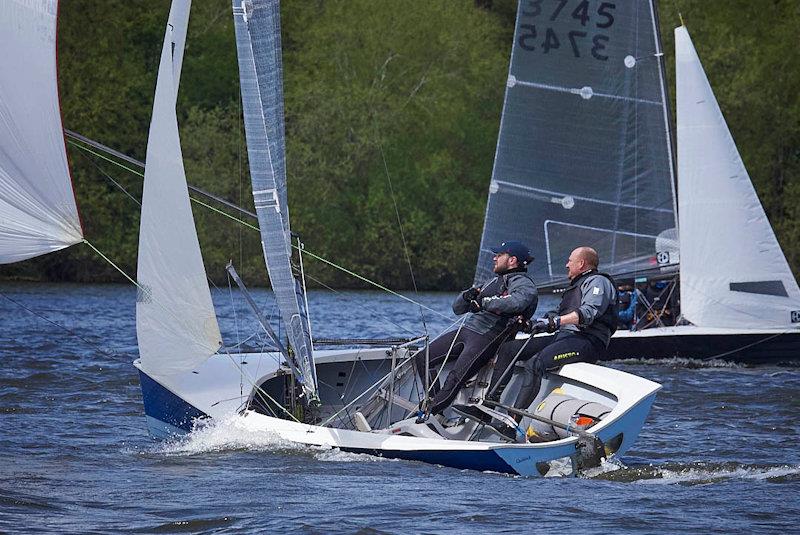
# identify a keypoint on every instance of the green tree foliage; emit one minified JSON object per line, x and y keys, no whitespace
{"x":398,"y":97}
{"x":392,"y":112}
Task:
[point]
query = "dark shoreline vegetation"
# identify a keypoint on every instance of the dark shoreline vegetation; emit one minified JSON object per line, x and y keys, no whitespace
{"x":412,"y":89}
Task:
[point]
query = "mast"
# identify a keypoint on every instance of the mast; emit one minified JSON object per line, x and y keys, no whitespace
{"x":258,"y":45}
{"x":668,"y":119}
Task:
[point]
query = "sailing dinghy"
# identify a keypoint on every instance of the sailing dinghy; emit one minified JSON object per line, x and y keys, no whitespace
{"x":289,"y":393}
{"x":184,"y":375}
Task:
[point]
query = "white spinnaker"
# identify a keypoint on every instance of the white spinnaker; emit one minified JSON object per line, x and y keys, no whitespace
{"x":175,"y":321}
{"x":733,"y":271}
{"x":38,"y":213}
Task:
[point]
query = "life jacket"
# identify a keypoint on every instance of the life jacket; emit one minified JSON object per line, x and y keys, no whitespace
{"x":571,"y":301}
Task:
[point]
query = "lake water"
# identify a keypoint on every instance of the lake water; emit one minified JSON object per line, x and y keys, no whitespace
{"x":718,"y":452}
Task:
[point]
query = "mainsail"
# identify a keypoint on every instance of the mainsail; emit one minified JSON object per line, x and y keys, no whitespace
{"x":175,"y":321}
{"x":584,"y":152}
{"x":38,"y":213}
{"x":733,"y":271}
{"x":258,"y":44}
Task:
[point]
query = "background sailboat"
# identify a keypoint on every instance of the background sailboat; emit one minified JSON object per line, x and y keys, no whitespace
{"x":736,"y":288}
{"x":584,"y":153}
{"x":733,"y":271}
{"x":584,"y":157}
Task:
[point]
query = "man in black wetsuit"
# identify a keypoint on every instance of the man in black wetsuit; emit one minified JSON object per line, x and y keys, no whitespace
{"x":583,"y":325}
{"x":511,"y":293}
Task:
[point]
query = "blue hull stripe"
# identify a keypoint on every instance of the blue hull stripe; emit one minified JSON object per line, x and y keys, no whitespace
{"x":163,"y":405}
{"x":484,"y":461}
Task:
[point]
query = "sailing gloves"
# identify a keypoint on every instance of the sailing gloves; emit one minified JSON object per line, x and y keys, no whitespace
{"x":471,"y":297}
{"x":517,"y":324}
{"x":543,"y":325}
{"x":549,"y":324}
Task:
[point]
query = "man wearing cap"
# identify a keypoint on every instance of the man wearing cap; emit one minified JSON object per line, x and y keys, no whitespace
{"x":583,"y":325}
{"x":510,"y":293}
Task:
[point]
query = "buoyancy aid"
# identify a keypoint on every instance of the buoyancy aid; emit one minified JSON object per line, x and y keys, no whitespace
{"x":572,"y":297}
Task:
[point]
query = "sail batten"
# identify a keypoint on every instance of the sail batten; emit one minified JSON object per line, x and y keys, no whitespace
{"x":38,"y":212}
{"x":176,"y":325}
{"x":258,"y":45}
{"x":580,"y":91}
{"x":733,"y":272}
{"x":583,"y":154}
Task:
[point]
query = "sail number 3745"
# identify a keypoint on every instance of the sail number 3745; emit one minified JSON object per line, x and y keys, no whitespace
{"x":586,"y":39}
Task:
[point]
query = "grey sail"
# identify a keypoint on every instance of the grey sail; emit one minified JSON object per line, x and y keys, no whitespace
{"x":584,"y":154}
{"x":258,"y":44}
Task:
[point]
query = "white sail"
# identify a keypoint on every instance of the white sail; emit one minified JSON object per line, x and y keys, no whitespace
{"x":175,"y":320}
{"x":38,"y":213}
{"x":733,"y":271}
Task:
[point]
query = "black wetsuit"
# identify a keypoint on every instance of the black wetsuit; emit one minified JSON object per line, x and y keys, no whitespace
{"x":509,"y":294}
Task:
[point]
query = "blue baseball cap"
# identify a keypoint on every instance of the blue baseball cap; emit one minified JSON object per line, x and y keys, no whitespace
{"x":515,"y":248}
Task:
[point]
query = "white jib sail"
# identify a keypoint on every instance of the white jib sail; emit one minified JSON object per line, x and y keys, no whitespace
{"x":175,"y":321}
{"x":733,"y":271}
{"x":38,"y":213}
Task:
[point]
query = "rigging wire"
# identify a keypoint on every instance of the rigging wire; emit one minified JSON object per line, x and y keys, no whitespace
{"x":307,"y":310}
{"x":447,"y":356}
{"x":145,"y":291}
{"x":138,"y":163}
{"x":248,"y":225}
{"x":402,"y":235}
{"x":69,"y":331}
{"x":238,"y":336}
{"x":111,"y":179}
{"x":362,"y":305}
{"x":256,"y":388}
{"x":374,"y":385}
{"x":260,"y":391}
{"x":375,"y":284}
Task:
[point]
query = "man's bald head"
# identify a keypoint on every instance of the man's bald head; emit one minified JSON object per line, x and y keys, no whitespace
{"x":580,"y":260}
{"x":588,"y":255}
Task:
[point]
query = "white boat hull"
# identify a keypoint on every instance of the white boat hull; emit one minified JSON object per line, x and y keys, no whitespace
{"x":215,"y":391}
